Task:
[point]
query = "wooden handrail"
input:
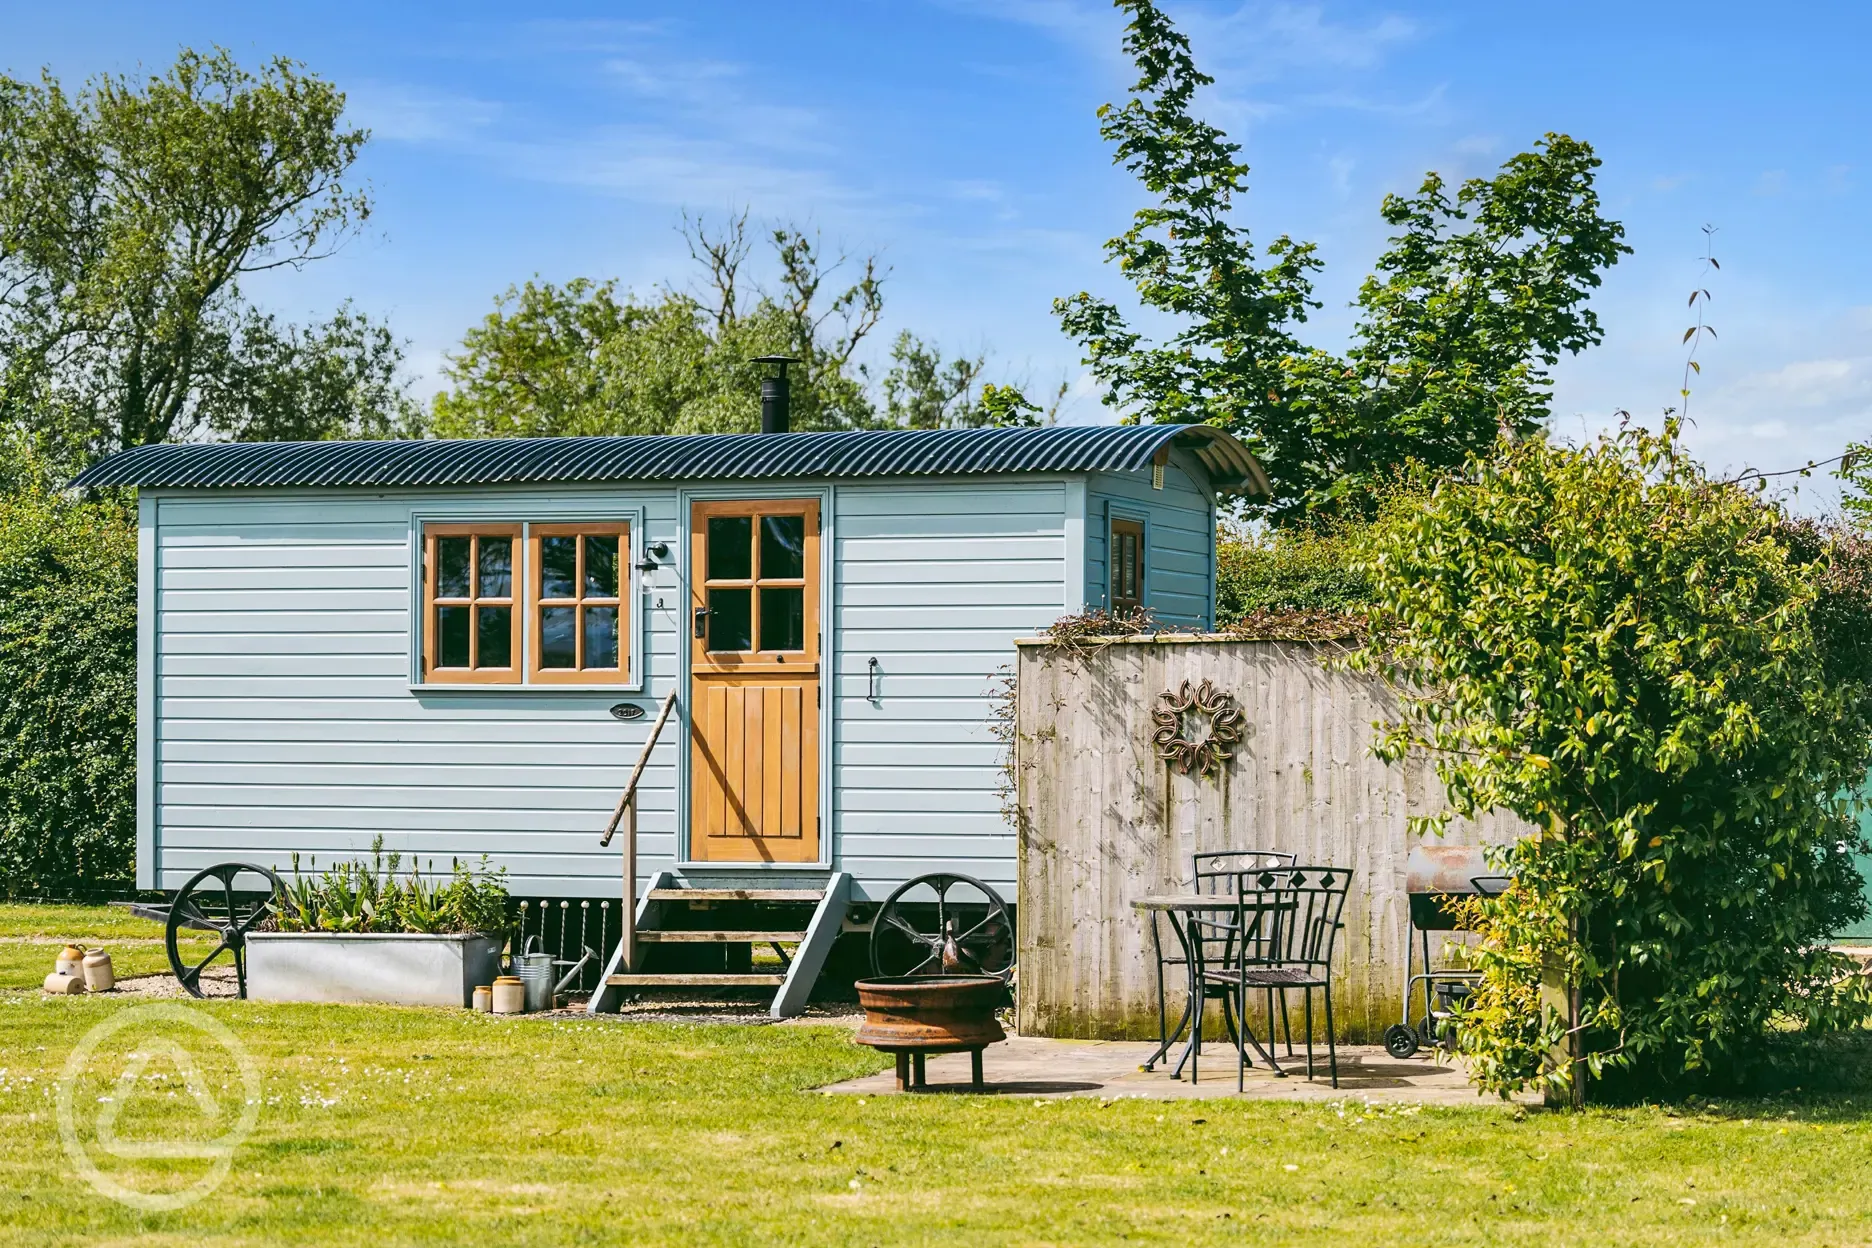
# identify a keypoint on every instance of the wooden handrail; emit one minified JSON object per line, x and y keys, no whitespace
{"x":627,"y":806}
{"x":643,"y":758}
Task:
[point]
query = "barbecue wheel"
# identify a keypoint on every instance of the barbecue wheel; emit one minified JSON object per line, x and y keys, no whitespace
{"x":1400,"y":1040}
{"x":943,"y":925}
{"x":228,"y":900}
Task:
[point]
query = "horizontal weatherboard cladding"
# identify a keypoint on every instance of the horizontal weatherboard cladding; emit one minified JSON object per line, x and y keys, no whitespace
{"x":1179,"y":536}
{"x":716,"y":457}
{"x":285,"y":720}
{"x":935,"y":582}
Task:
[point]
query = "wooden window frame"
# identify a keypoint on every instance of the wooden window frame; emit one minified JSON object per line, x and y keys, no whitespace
{"x":514,"y":601}
{"x":1135,"y":528}
{"x":536,"y":602}
{"x":759,"y":659}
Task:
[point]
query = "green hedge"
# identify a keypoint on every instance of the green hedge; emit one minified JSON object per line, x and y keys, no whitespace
{"x":1298,"y":570}
{"x":67,"y":696}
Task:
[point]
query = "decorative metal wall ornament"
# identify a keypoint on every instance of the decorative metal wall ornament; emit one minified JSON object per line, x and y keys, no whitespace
{"x":1205,"y":751}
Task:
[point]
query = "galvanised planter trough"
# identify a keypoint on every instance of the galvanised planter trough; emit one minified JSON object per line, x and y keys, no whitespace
{"x":377,"y":968}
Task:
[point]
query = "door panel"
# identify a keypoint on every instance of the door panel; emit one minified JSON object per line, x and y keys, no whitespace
{"x":754,"y":681}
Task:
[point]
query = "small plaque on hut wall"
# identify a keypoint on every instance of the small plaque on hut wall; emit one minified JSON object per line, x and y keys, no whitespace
{"x":627,"y":710}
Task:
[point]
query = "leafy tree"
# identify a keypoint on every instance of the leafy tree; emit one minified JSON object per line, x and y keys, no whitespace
{"x":1477,"y":296}
{"x":531,"y":368}
{"x":130,"y":215}
{"x":1187,"y":258}
{"x":579,"y":358}
{"x":291,"y":383}
{"x":923,"y":392}
{"x":1671,"y":683}
{"x":1475,"y":299}
{"x":1855,"y":476}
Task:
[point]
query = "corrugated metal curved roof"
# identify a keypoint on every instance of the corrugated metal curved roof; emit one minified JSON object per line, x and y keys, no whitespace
{"x":689,"y":457}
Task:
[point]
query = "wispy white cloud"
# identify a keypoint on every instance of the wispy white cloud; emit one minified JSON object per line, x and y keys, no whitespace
{"x":1088,"y":27}
{"x":1772,"y":182}
{"x":668,"y":131}
{"x":1267,"y":42}
{"x":675,"y":170}
{"x":407,"y":114}
{"x":1428,"y":106}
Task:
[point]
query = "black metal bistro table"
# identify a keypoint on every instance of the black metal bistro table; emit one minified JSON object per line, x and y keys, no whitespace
{"x":1178,"y":908}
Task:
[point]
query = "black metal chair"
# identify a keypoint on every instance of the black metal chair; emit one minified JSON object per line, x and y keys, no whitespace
{"x":1220,"y":870}
{"x":1279,"y":936}
{"x":1211,"y":873}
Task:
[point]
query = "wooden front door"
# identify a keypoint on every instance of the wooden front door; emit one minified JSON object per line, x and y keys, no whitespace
{"x":754,"y":681}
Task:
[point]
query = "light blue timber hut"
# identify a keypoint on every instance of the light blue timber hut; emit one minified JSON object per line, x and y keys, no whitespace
{"x":461,"y":647}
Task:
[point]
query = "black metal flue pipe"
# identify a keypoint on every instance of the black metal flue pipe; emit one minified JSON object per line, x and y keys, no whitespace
{"x":775,"y":395}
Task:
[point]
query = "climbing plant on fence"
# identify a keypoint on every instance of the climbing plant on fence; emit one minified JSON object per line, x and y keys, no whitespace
{"x":67,"y":695}
{"x":1667,"y":679}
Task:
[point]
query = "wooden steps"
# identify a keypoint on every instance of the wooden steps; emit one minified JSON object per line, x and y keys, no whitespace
{"x":747,"y":917}
{"x":675,"y":935}
{"x":700,"y":979}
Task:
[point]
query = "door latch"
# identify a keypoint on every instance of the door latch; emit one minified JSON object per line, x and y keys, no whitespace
{"x":701,"y":621}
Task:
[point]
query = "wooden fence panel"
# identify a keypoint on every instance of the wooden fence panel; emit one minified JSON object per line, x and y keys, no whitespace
{"x":1103,"y":821}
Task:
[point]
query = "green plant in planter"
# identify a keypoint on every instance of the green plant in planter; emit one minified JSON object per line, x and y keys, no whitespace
{"x":1668,"y":679}
{"x":360,"y":897}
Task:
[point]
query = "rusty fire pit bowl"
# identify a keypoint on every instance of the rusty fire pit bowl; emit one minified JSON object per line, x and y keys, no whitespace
{"x":913,"y":1016}
{"x":931,"y":1013}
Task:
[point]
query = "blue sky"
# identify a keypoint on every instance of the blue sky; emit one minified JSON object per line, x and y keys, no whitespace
{"x":957,"y":137}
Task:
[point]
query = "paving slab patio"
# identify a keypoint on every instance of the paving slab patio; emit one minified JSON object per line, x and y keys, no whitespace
{"x":1109,"y":1069}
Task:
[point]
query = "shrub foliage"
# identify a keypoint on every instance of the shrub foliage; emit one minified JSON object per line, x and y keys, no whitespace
{"x":1306,"y":569}
{"x":1664,"y":678}
{"x":67,"y":695}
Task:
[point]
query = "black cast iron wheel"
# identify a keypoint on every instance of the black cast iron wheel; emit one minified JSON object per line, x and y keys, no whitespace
{"x":227,"y":900}
{"x":943,"y":924}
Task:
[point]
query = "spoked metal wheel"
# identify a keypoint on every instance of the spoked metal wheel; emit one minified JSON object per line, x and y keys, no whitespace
{"x":228,"y":900}
{"x":943,"y":925}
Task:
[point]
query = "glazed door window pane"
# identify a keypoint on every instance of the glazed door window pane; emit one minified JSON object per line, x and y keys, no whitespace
{"x":730,"y":620}
{"x":782,"y":549}
{"x":782,"y":618}
{"x":730,"y":548}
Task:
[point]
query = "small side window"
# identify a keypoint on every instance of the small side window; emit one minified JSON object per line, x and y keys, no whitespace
{"x":1125,"y":550}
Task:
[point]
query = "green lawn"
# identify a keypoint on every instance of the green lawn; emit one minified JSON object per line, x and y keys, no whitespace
{"x":390,"y":1126}
{"x":31,"y":937}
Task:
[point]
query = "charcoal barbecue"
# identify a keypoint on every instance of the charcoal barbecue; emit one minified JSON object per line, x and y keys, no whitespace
{"x":1436,"y":877}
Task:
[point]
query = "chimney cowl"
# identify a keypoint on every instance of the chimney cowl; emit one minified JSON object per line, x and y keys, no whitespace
{"x":775,"y":394}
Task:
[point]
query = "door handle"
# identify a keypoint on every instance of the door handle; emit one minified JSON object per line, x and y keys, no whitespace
{"x":701,"y":621}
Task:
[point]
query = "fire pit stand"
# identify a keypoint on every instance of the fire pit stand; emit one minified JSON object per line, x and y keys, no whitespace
{"x":912,"y":1016}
